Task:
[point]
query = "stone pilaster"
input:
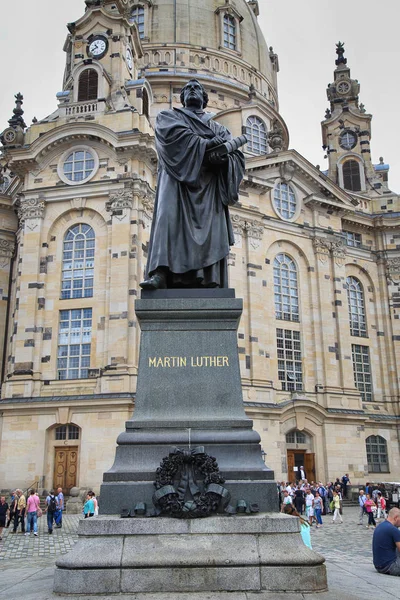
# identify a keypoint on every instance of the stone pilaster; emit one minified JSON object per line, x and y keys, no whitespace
{"x":25,"y":329}
{"x":119,"y":206}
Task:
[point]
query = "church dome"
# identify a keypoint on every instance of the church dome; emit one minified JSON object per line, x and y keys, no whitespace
{"x":218,"y":40}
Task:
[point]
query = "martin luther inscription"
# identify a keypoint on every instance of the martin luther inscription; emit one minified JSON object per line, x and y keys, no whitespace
{"x":171,"y":362}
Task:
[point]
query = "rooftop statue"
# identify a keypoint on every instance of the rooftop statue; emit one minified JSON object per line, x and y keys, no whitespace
{"x":200,"y":171}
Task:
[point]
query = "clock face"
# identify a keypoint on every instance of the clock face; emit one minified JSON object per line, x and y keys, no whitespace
{"x":129,"y":58}
{"x":98,"y":46}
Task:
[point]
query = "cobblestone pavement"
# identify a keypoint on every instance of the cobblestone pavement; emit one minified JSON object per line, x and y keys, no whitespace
{"x":27,"y":563}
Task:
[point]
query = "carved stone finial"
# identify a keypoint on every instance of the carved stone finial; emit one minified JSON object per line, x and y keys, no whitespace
{"x":275,"y":138}
{"x":341,"y":60}
{"x":328,"y":114}
{"x":381,"y":161}
{"x":17,"y":120}
{"x":362,"y":108}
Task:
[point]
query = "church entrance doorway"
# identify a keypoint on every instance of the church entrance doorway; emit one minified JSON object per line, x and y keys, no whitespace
{"x":297,"y":459}
{"x":65,"y":467}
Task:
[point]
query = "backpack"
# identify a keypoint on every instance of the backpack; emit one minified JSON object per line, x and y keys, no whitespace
{"x":52,"y":504}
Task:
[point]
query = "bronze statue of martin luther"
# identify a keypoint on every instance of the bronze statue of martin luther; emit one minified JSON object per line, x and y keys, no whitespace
{"x":191,"y":231}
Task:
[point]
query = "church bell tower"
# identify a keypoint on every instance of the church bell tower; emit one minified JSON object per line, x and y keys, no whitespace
{"x":346,"y":133}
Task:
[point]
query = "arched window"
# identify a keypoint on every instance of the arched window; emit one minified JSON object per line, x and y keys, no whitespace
{"x":296,"y":437}
{"x":351,"y":176}
{"x":78,"y":262}
{"x":230,"y":32}
{"x":88,"y":85}
{"x":355,"y":296}
{"x":377,"y":455}
{"x":137,"y":16}
{"x":285,"y":200}
{"x":256,"y":132}
{"x":286,"y":288}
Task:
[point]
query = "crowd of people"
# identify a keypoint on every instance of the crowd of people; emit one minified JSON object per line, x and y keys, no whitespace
{"x":310,"y":501}
{"x":315,"y":500}
{"x":23,"y":511}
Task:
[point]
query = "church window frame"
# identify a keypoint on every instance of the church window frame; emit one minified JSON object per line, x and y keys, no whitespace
{"x":290,"y":362}
{"x":286,"y":288}
{"x":78,"y":161}
{"x":377,"y":454}
{"x":5,"y":184}
{"x":230,"y":32}
{"x":285,"y":201}
{"x":353,"y":240}
{"x":138,"y":16}
{"x":257,"y":134}
{"x":77,"y":278}
{"x":88,"y":90}
{"x":348,"y":139}
{"x":235,"y":18}
{"x":362,"y":371}
{"x":351,"y":175}
{"x":295,"y":437}
{"x":357,"y":309}
{"x":66,"y":432}
{"x":74,"y":343}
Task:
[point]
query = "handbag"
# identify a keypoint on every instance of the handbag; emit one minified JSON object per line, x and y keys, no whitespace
{"x":39,"y":512}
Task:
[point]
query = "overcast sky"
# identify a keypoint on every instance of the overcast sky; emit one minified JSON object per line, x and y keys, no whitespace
{"x":302,"y":32}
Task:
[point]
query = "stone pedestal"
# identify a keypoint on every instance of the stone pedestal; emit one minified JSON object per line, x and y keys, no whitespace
{"x":160,"y":555}
{"x":189,"y":394}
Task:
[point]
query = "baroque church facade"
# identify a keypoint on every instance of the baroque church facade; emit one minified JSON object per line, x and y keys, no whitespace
{"x":316,"y":256}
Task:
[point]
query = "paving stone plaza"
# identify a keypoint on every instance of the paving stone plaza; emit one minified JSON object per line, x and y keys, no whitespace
{"x":27,"y":564}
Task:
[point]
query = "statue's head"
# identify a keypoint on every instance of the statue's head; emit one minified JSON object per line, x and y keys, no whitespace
{"x":193,"y":93}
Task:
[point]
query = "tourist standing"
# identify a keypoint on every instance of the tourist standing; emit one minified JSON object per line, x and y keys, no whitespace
{"x":361,"y":502}
{"x":318,"y":507}
{"x":60,"y":508}
{"x":381,"y":506}
{"x":336,"y":507}
{"x":51,"y":510}
{"x":19,"y":516}
{"x":4,"y":512}
{"x":369,"y":505}
{"x":345,"y":482}
{"x":31,"y":509}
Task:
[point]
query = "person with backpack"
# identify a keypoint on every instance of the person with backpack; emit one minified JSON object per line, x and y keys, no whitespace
{"x":51,"y":509}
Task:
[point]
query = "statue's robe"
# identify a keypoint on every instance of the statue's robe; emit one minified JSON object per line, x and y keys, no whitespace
{"x":191,"y":230}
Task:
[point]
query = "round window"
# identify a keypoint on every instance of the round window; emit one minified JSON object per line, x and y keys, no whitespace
{"x":78,"y":166}
{"x":285,"y":202}
{"x":348,"y":140}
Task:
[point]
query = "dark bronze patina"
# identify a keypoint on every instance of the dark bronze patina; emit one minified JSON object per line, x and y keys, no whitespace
{"x":199,"y":178}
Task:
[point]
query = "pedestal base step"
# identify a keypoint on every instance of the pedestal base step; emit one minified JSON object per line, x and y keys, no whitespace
{"x":161,"y":556}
